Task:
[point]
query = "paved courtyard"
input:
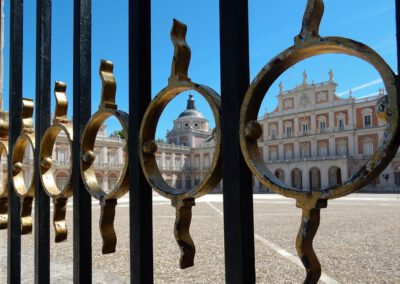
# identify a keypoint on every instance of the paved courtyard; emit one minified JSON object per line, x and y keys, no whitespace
{"x":357,"y":243}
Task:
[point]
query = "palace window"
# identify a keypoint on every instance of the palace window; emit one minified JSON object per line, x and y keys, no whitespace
{"x":322,"y":126}
{"x":178,"y":163}
{"x":273,"y":155}
{"x":111,"y":158}
{"x":305,"y":129}
{"x":367,"y":120}
{"x":289,"y":131}
{"x":61,"y":156}
{"x":273,"y":133}
{"x":341,"y":123}
{"x":288,"y":153}
{"x":305,"y":152}
{"x":368,"y":148}
{"x":323,"y":150}
{"x":206,"y":162}
{"x":342,"y":149}
{"x":168,"y":163}
{"x":188,"y":183}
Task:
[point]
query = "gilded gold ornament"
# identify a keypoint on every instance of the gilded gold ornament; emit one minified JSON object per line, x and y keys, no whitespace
{"x":58,"y":195}
{"x":307,"y":44}
{"x":26,"y":139}
{"x":108,"y":201}
{"x":179,"y":82}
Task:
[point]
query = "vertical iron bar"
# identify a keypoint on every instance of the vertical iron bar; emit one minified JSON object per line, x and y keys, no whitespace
{"x":237,"y":178}
{"x":398,"y":39}
{"x":82,"y":208}
{"x":42,"y":117}
{"x":15,"y":111}
{"x":140,"y":197}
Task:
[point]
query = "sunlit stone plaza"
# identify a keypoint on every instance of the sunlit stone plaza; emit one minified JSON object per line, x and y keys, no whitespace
{"x":357,"y":243}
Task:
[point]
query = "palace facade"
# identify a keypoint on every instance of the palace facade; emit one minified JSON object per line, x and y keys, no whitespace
{"x":314,"y":139}
{"x":311,"y":140}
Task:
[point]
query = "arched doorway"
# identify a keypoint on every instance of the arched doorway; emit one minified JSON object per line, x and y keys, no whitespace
{"x":62,"y":179}
{"x":112,"y":181}
{"x":297,"y":180}
{"x":280,"y":174}
{"x":335,"y":176}
{"x":315,"y":179}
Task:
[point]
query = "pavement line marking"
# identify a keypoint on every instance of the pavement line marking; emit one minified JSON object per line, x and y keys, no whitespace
{"x":215,"y":208}
{"x":324,"y":278}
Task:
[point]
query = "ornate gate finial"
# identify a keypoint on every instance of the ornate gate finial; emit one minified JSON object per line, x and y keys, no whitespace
{"x":311,"y":21}
{"x":182,"y":53}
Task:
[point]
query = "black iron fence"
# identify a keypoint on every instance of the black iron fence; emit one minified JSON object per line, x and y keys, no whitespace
{"x":236,"y":111}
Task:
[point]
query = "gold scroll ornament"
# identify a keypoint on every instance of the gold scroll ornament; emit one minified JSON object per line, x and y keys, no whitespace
{"x":108,"y":201}
{"x":58,"y":195}
{"x":26,"y":193}
{"x":179,"y":82}
{"x":4,"y":123}
{"x":307,"y":44}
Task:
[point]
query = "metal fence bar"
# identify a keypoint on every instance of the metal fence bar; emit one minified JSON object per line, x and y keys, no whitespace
{"x":15,"y":110}
{"x":42,"y":117}
{"x":140,"y":196}
{"x":237,"y":178}
{"x":398,"y":43}
{"x":82,"y":209}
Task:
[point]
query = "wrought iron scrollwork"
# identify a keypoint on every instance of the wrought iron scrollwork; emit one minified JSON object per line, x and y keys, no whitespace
{"x":179,"y":82}
{"x":307,"y":44}
{"x":108,"y":201}
{"x":59,"y":195}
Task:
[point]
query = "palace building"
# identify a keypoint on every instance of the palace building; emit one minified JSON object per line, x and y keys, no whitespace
{"x":314,"y":139}
{"x":311,"y":140}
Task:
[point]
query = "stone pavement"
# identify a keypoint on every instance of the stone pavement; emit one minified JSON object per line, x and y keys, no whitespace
{"x":357,"y":243}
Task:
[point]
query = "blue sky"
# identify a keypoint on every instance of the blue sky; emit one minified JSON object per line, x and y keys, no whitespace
{"x":273,"y":25}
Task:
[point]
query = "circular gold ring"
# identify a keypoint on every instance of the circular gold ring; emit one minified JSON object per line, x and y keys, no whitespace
{"x":266,"y":77}
{"x":27,"y":138}
{"x":60,"y":125}
{"x":23,"y":141}
{"x":149,"y":147}
{"x":88,"y":156}
{"x":3,"y":149}
{"x":46,"y":161}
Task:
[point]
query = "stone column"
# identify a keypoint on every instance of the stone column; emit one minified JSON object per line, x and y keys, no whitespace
{"x":313,"y":123}
{"x":104,"y":155}
{"x":265,"y":134}
{"x":280,"y":151}
{"x":174,"y":180}
{"x":351,"y":143}
{"x":314,"y":147}
{"x":266,"y":153}
{"x":120,"y":155}
{"x":296,"y":129}
{"x":324,"y":174}
{"x":182,"y":161}
{"x":296,"y":149}
{"x":280,"y":127}
{"x":305,"y":179}
{"x":331,"y":120}
{"x":201,"y":161}
{"x":332,"y":145}
{"x":173,"y":160}
{"x":351,"y":117}
{"x":288,"y":176}
{"x":162,"y":160}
